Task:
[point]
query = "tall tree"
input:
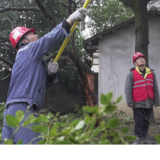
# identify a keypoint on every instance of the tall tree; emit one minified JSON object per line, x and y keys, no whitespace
{"x":139,"y":8}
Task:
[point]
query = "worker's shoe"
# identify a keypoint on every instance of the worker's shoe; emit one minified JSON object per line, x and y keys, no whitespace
{"x":137,"y":141}
{"x":146,"y":140}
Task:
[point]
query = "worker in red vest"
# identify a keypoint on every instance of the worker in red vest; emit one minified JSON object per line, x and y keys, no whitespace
{"x":141,"y":90}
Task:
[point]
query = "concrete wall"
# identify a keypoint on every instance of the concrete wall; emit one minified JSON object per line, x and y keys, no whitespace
{"x":115,"y":59}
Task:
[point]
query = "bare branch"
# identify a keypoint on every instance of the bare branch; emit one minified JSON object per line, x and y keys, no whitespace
{"x":6,"y":77}
{"x":69,"y":7}
{"x":62,"y":58}
{"x":9,"y":20}
{"x":3,"y":20}
{"x":45,"y":13}
{"x":53,"y":55}
{"x":5,"y":68}
{"x":75,"y":5}
{"x":19,"y":9}
{"x":6,"y":44}
{"x":63,"y":4}
{"x":4,"y":39}
{"x":6,"y":61}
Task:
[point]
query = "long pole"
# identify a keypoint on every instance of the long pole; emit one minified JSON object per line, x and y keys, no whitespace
{"x":68,"y":38}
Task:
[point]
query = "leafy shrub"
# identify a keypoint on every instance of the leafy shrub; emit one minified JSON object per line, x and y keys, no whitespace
{"x":91,"y":127}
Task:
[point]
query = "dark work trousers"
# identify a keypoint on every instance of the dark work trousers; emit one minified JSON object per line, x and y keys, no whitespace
{"x":141,"y":118}
{"x":24,"y":133}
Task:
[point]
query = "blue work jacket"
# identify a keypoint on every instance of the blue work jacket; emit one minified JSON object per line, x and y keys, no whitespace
{"x":29,"y":73}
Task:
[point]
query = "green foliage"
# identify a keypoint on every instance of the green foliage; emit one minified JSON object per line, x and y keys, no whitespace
{"x":157,"y":137}
{"x":12,"y":121}
{"x":106,"y":14}
{"x":87,"y":126}
{"x":113,"y":123}
{"x":125,"y":130}
{"x":130,"y":138}
{"x":19,"y":116}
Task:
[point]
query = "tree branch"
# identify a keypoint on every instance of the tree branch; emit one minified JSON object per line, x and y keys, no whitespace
{"x":9,"y":20}
{"x":62,"y":59}
{"x":75,"y":5}
{"x":63,"y":4}
{"x":53,"y":55}
{"x":6,"y":68}
{"x":86,"y":76}
{"x":45,"y":13}
{"x":4,"y":39}
{"x":6,"y":61}
{"x":129,"y":3}
{"x":19,"y":9}
{"x":5,"y":44}
{"x":6,"y":77}
{"x":3,"y":20}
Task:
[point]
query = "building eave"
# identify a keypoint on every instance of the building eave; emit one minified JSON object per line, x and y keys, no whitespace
{"x":94,"y":40}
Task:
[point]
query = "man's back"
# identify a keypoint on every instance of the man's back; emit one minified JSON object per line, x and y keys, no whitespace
{"x":28,"y":81}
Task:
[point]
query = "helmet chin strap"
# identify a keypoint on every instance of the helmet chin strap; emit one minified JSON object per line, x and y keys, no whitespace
{"x":21,"y":43}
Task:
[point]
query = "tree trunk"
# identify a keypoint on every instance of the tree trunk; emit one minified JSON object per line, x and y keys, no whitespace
{"x":141,"y":29}
{"x":86,"y":76}
{"x":85,"y":73}
{"x":139,"y":8}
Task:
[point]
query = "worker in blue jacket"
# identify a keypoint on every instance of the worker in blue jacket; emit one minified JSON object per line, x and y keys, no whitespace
{"x":30,"y":75}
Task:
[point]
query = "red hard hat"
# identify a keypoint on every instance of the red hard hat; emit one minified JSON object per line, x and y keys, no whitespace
{"x":17,"y":33}
{"x":136,"y":55}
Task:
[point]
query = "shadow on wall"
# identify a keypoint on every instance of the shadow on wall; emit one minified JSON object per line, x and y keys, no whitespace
{"x":61,"y":99}
{"x":4,"y":86}
{"x":58,"y":97}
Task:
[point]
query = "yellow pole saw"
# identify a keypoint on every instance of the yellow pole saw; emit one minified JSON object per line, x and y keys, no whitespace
{"x":68,"y":38}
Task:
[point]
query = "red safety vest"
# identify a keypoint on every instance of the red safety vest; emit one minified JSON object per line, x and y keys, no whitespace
{"x":142,"y":88}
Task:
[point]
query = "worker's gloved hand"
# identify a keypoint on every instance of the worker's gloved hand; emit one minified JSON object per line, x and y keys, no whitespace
{"x":79,"y":15}
{"x":52,"y":67}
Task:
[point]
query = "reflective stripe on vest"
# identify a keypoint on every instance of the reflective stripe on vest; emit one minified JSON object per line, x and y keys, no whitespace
{"x":142,"y":88}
